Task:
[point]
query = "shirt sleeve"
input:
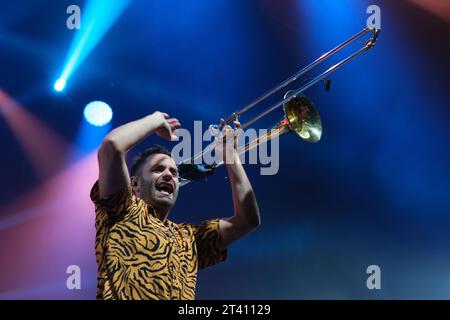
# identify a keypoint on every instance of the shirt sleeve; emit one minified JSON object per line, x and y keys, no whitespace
{"x":207,"y":239}
{"x":116,"y":206}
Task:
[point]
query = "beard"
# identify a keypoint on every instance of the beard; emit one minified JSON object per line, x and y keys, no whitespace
{"x":152,"y":196}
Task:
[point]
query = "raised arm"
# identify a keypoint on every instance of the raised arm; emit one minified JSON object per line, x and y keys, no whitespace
{"x":246,"y":212}
{"x":113,"y":172}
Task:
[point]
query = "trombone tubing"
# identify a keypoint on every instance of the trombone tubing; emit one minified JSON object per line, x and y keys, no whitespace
{"x":370,"y":43}
{"x":299,"y":73}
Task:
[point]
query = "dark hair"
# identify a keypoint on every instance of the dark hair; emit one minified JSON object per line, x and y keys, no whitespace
{"x":139,"y":160}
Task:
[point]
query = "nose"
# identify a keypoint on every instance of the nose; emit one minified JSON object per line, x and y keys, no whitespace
{"x":167,"y":175}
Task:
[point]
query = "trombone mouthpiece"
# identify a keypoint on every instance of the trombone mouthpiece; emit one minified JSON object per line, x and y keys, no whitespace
{"x":371,"y":42}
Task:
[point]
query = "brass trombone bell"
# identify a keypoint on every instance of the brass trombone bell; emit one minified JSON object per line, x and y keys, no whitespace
{"x":302,"y":117}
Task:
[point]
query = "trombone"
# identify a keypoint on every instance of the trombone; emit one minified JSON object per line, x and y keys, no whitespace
{"x":300,"y":114}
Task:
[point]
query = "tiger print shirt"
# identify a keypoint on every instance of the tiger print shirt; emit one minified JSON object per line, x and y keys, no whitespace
{"x":140,"y":257}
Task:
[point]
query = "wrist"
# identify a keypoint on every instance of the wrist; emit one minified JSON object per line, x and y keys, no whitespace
{"x":156,"y":119}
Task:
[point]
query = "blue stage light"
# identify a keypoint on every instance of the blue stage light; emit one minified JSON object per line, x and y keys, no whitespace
{"x":60,"y":84}
{"x":98,"y":113}
{"x":98,"y":17}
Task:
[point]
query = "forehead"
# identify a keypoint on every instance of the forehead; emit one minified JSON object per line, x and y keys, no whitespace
{"x":159,"y":159}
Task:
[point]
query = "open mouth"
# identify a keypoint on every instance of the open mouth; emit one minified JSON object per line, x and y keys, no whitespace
{"x":165,"y":188}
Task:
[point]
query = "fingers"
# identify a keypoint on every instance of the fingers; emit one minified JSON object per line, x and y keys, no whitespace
{"x":167,"y":117}
{"x":165,"y":131}
{"x":236,"y":124}
{"x":173,"y":125}
{"x":168,"y":126}
{"x":168,"y":130}
{"x":174,"y":122}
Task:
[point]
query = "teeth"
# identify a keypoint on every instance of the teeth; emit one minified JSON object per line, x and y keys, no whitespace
{"x":165,"y":188}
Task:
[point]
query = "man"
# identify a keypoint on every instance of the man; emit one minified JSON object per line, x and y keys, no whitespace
{"x":140,"y":253}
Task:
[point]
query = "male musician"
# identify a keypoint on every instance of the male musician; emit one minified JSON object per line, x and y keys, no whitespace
{"x":140,"y":253}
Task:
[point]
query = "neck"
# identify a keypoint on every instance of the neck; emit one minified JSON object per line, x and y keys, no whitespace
{"x":162,"y":213}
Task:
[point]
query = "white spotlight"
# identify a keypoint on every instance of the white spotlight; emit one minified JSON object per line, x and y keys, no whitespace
{"x":98,"y":113}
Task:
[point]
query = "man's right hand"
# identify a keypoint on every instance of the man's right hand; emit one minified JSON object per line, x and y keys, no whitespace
{"x":167,"y":126}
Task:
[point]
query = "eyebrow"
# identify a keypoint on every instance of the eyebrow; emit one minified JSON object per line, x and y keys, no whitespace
{"x":156,"y":165}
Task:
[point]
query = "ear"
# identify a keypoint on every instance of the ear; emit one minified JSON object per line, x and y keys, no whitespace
{"x":136,"y":185}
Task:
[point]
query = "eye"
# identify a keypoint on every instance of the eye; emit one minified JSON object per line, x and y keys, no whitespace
{"x":158,"y":169}
{"x":174,"y":172}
